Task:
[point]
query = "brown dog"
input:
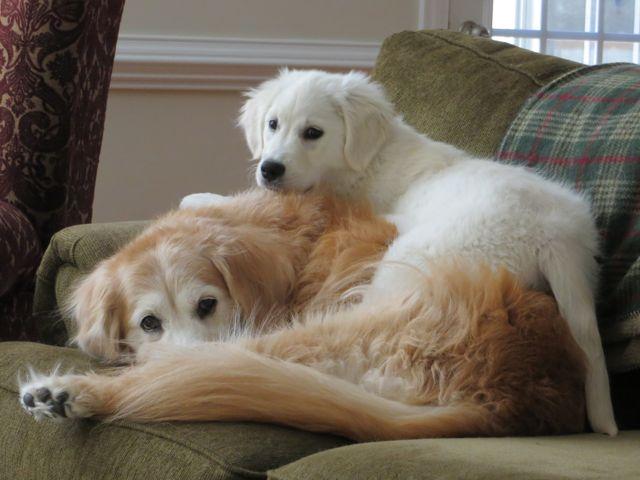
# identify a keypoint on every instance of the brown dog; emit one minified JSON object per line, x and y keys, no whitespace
{"x":194,"y":274}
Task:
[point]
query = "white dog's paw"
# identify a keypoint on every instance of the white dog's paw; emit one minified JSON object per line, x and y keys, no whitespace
{"x":198,"y":200}
{"x":53,"y":397}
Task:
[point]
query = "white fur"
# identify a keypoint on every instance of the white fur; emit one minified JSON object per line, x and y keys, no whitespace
{"x":198,"y":200}
{"x":46,"y":391}
{"x":444,"y":202}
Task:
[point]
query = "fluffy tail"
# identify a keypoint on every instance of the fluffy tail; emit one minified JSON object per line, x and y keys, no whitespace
{"x":569,"y":273}
{"x":229,"y":383}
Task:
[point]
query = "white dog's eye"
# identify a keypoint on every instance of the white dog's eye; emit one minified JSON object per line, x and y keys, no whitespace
{"x":273,"y":124}
{"x":312,"y":133}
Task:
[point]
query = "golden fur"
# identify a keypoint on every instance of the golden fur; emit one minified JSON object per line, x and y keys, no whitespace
{"x":468,"y":352}
{"x":271,"y":254}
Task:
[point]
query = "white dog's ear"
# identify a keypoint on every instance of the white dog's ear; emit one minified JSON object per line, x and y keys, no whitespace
{"x":252,"y":114}
{"x":367,"y":118}
{"x":96,"y":307}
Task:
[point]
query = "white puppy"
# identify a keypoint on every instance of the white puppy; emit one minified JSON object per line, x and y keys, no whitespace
{"x":311,"y":127}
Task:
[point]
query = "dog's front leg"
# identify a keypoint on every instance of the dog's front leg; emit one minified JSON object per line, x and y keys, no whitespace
{"x":171,"y":383}
{"x":69,"y":396}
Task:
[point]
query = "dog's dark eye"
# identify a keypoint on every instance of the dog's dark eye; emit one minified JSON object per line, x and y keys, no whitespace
{"x":206,"y":306}
{"x":151,"y":324}
{"x":273,"y":124}
{"x":312,"y":133}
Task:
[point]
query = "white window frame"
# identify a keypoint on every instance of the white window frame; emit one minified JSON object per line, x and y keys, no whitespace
{"x":599,"y":36}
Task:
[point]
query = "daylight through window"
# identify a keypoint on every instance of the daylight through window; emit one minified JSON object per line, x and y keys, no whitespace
{"x":586,"y":31}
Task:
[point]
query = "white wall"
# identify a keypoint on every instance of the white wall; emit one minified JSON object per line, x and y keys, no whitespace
{"x":463,"y":10}
{"x":170,"y":117}
{"x":159,"y":146}
{"x":320,"y":19}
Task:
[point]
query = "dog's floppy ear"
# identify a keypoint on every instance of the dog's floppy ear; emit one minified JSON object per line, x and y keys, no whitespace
{"x":367,"y":118}
{"x":97,"y":308}
{"x":252,"y":114}
{"x":257,"y":268}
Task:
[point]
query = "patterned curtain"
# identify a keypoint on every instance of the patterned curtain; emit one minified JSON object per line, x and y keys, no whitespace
{"x":56,"y":58}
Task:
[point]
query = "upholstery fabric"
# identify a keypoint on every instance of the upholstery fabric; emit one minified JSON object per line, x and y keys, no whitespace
{"x":584,"y":130}
{"x":87,"y":450}
{"x":579,"y":457}
{"x":56,"y":65}
{"x":460,"y":89}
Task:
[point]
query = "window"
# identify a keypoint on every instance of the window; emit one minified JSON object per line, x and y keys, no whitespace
{"x":586,"y":31}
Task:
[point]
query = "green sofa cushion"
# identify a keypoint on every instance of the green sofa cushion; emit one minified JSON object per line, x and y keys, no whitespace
{"x":80,"y":450}
{"x":580,"y":457}
{"x":461,"y":89}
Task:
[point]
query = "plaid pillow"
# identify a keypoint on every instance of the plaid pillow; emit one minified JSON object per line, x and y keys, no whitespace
{"x":584,"y":130}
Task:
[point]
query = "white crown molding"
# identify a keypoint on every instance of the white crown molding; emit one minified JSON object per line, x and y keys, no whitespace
{"x":187,"y":63}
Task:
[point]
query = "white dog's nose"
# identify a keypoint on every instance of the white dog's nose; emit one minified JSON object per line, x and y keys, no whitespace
{"x":271,"y":170}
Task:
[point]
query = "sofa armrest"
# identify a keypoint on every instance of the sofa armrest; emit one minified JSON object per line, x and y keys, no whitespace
{"x":19,"y":247}
{"x":72,"y":253}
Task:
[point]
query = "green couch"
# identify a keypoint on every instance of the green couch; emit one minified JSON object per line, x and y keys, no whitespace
{"x":458,"y":89}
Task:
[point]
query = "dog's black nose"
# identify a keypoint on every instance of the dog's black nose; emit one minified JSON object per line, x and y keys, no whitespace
{"x":271,"y":170}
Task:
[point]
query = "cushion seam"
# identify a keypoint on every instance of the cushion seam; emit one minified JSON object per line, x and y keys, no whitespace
{"x":213,"y":459}
{"x":72,"y":252}
{"x":485,"y":56}
{"x":50,"y":284}
{"x":210,"y":458}
{"x":51,"y":281}
{"x":47,"y":278}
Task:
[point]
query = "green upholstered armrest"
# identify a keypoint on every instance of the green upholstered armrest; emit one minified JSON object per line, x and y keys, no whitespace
{"x":73,"y":252}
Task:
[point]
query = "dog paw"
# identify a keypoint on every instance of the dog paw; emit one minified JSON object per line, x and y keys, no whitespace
{"x":54,"y":397}
{"x":198,"y":200}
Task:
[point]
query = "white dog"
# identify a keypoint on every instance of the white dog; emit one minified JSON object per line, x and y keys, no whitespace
{"x":311,"y":127}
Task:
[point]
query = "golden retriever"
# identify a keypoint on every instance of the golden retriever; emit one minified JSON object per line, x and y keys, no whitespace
{"x":467,"y":351}
{"x":196,"y":273}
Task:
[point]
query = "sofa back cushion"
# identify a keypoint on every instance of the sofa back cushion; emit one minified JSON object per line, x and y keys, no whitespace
{"x":460,"y":89}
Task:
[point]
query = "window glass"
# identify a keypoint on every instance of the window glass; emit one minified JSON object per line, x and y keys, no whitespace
{"x":620,"y":16}
{"x":621,"y":52}
{"x":585,"y":31}
{"x":528,"y":43}
{"x":572,"y":15}
{"x":518,"y":14}
{"x":583,"y":51}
